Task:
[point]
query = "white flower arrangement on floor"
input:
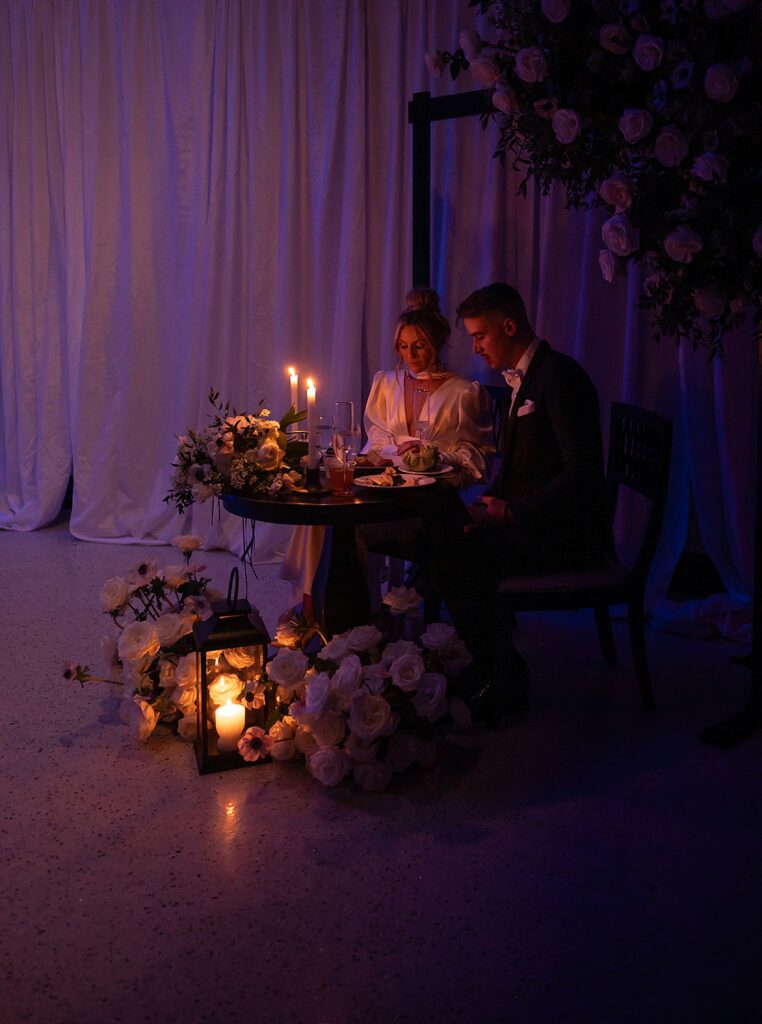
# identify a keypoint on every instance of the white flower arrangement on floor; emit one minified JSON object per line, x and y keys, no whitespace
{"x":236,"y":454}
{"x":359,"y":705}
{"x":152,"y":661}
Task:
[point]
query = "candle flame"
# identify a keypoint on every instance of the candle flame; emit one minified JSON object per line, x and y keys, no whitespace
{"x":310,"y":382}
{"x":292,"y":371}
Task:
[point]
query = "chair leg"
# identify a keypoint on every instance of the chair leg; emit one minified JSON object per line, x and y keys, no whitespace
{"x":637,"y":639}
{"x":605,"y":634}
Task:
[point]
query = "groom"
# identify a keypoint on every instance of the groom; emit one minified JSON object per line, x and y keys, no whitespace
{"x":546,"y":509}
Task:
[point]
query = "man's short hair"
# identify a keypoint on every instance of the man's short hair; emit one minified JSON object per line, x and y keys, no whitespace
{"x":495,"y":298}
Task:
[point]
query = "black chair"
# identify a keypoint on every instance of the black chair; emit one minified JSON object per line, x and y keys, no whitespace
{"x":640,"y":447}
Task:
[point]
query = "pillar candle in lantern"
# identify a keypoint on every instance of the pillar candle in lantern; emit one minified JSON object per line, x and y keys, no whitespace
{"x":294,"y":379}
{"x":311,"y":425}
{"x":229,"y":720}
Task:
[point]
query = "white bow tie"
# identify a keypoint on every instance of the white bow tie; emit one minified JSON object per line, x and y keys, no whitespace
{"x":513,"y":378}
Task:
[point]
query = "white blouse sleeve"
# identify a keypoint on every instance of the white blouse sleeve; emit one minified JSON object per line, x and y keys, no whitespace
{"x":471,"y":446}
{"x":378,"y":416}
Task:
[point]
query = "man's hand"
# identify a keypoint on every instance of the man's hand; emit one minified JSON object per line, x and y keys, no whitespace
{"x":408,"y":446}
{"x":488,"y":511}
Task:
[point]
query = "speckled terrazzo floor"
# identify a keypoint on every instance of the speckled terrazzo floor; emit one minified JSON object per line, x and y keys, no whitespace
{"x":585,"y":865}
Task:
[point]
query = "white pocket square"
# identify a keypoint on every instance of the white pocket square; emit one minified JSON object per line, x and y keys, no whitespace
{"x":526,"y":408}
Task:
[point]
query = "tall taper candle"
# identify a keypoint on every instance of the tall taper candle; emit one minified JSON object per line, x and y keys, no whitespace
{"x":311,"y":425}
{"x":294,"y":378}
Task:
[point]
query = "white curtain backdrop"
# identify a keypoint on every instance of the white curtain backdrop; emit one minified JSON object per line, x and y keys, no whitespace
{"x":200,"y":193}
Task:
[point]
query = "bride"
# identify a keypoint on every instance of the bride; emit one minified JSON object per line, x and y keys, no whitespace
{"x":458,"y":422}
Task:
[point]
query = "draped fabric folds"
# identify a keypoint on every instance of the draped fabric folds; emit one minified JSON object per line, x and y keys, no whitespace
{"x":199,"y":194}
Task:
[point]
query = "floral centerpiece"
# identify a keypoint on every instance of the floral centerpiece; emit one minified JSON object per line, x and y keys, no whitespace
{"x":358,"y":705}
{"x":652,"y":109}
{"x":236,"y":454}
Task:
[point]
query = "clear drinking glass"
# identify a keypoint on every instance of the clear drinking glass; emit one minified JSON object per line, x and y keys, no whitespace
{"x":421,"y":413}
{"x":344,"y":430}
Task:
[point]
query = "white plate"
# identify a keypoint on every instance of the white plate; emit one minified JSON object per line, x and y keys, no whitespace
{"x":409,"y":482}
{"x":439,"y":470}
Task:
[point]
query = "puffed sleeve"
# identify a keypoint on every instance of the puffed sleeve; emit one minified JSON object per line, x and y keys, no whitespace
{"x":378,"y":416}
{"x":472,"y":447}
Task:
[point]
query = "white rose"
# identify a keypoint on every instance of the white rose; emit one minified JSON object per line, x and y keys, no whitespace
{"x":335,"y":650}
{"x":174,"y":575}
{"x":566,"y":125}
{"x":137,"y":641}
{"x":531,"y":64}
{"x":396,"y":649}
{"x":614,"y":38}
{"x":347,"y":678}
{"x":186,"y":672}
{"x":283,"y":729}
{"x":682,"y":244}
{"x":401,"y":752}
{"x":224,"y":688}
{"x":361,"y":751}
{"x":187,"y":728}
{"x":756,"y":241}
{"x":720,"y":83}
{"x":169,"y":628}
{"x":141,"y":718}
{"x":619,"y":234}
{"x":555,"y":10}
{"x":373,"y":776}
{"x":299,"y":712}
{"x":648,"y":52}
{"x":114,"y":593}
{"x":438,"y":636}
{"x":184,"y":699}
{"x":407,"y":671}
{"x":611,"y":266}
{"x":435,"y":63}
{"x":430,"y":700}
{"x":635,"y":125}
{"x":455,"y":659}
{"x":187,"y":542}
{"x":370,"y":716}
{"x":470,"y":43}
{"x":617,"y":192}
{"x":709,"y":302}
{"x":287,"y":668}
{"x":284,"y":750}
{"x":317,"y":696}
{"x":242,"y":657}
{"x":329,"y":765}
{"x":363,"y":638}
{"x":485,"y":71}
{"x":504,"y":98}
{"x":329,"y":729}
{"x":201,"y":492}
{"x":269,"y":455}
{"x":402,"y":600}
{"x":304,"y":741}
{"x":711,"y":167}
{"x":671,"y":146}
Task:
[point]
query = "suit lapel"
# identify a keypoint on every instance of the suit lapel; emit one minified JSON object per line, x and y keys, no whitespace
{"x":537,"y":359}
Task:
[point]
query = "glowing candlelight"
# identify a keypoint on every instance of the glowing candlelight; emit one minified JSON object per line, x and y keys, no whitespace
{"x":229,"y":720}
{"x":311,"y":425}
{"x":294,"y":379}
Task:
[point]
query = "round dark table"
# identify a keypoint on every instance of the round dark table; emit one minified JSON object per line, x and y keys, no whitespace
{"x":347,"y":602}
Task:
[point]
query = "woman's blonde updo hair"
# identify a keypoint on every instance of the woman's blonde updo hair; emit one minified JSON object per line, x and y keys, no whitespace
{"x":423,"y":314}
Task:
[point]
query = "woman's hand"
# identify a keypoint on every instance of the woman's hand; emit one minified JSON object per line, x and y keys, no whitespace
{"x":408,"y":446}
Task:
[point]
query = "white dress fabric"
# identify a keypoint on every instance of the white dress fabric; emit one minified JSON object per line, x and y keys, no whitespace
{"x":460,"y":425}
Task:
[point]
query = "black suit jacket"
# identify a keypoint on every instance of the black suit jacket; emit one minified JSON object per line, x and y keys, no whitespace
{"x":551,"y":471}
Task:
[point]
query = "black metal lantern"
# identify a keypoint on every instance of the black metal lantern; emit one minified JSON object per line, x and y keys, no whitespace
{"x":231,"y":649}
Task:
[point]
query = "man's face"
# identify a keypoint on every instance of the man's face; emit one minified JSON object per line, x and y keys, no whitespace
{"x":494,"y":339}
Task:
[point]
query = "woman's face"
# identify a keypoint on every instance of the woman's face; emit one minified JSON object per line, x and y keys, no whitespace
{"x":416,"y":353}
